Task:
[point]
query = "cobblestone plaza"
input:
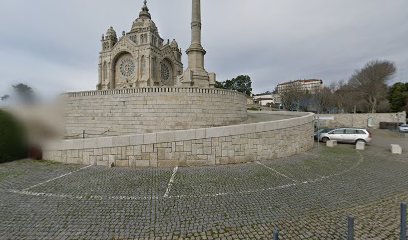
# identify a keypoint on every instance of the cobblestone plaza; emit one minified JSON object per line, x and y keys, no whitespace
{"x":307,"y":196}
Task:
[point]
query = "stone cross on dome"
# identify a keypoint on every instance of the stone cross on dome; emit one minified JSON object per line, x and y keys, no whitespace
{"x":145,"y":10}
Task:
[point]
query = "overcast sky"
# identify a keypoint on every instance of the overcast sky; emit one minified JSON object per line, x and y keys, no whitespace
{"x":53,"y":45}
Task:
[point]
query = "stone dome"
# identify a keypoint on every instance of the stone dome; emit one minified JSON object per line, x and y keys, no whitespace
{"x":144,"y":20}
{"x":142,"y":23}
{"x":111,"y":33}
{"x":145,"y":11}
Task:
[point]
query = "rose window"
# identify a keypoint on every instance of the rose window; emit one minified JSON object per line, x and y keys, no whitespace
{"x":127,"y":67}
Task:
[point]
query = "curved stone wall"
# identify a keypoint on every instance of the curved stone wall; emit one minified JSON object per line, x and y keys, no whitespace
{"x":147,"y":110}
{"x":195,"y":147}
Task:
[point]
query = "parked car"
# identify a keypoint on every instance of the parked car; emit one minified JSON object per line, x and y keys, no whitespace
{"x":318,"y":133}
{"x":403,"y":128}
{"x":347,"y":135}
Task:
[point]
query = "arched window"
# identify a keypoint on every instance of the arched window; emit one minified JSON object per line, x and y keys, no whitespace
{"x":154,"y":67}
{"x":105,"y":72}
{"x":143,"y":66}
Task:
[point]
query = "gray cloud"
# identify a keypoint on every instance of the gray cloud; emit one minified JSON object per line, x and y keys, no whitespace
{"x":53,"y":45}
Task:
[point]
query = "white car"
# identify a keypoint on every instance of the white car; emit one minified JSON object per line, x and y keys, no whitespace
{"x":403,"y":128}
{"x":347,"y":135}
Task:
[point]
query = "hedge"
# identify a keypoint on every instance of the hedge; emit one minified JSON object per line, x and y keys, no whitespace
{"x":12,"y":138}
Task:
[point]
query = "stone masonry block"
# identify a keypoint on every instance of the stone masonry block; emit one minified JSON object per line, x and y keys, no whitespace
{"x":137,"y":150}
{"x":207,"y":150}
{"x":237,"y":129}
{"x":145,"y":156}
{"x":185,"y":135}
{"x":161,"y":153}
{"x":104,"y":142}
{"x":165,"y":163}
{"x":396,"y":149}
{"x":136,"y":140}
{"x":106,"y":151}
{"x":91,"y":143}
{"x":166,"y":137}
{"x":102,"y":163}
{"x":129,"y":151}
{"x":143,"y":163}
{"x":120,"y":141}
{"x":200,"y":133}
{"x":214,"y":132}
{"x":111,"y":159}
{"x":179,"y":148}
{"x":67,"y":144}
{"x":331,"y":143}
{"x":122,"y":163}
{"x":360,"y":145}
{"x":149,"y":138}
{"x":149,"y":148}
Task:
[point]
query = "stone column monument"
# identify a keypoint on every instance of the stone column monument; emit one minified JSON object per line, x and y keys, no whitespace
{"x":195,"y":75}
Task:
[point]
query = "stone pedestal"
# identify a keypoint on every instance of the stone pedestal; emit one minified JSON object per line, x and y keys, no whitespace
{"x":360,"y":146}
{"x":331,"y":143}
{"x":396,"y":149}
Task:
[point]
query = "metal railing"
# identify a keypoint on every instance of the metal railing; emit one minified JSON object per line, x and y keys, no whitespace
{"x":84,"y":135}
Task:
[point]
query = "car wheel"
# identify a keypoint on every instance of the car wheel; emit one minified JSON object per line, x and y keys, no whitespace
{"x":325,"y":139}
{"x":360,"y":140}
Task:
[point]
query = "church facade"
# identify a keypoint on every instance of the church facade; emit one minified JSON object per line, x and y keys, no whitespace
{"x":139,"y":58}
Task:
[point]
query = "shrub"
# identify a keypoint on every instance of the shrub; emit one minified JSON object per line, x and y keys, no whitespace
{"x":12,"y":138}
{"x":253,"y":109}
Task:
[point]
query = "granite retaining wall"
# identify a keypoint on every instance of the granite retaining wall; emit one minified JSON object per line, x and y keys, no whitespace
{"x":147,"y":110}
{"x":362,"y":120}
{"x":194,"y":147}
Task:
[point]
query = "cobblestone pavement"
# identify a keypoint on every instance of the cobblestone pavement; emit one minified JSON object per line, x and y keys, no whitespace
{"x":308,"y":196}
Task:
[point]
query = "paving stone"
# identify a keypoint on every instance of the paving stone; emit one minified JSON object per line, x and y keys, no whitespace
{"x":307,"y":196}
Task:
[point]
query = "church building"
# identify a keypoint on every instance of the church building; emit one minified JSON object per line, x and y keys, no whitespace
{"x":139,"y":58}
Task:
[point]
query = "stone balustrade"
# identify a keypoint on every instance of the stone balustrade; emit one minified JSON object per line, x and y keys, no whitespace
{"x":216,"y":91}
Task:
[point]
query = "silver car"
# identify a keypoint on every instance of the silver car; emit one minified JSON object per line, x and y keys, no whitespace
{"x":347,"y":135}
{"x":403,"y":128}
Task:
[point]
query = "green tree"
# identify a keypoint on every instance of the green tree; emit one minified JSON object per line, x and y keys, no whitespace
{"x":219,"y":85}
{"x":242,"y":83}
{"x":12,"y":138}
{"x":24,"y":93}
{"x":371,"y":82}
{"x":5,"y":97}
{"x":398,"y":96}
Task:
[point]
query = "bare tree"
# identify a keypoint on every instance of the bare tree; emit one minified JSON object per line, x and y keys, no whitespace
{"x":292,"y":96}
{"x":324,"y":100}
{"x":345,"y":98}
{"x":371,"y":82}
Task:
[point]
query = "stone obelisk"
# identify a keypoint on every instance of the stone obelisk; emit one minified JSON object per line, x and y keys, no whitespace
{"x":196,"y":75}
